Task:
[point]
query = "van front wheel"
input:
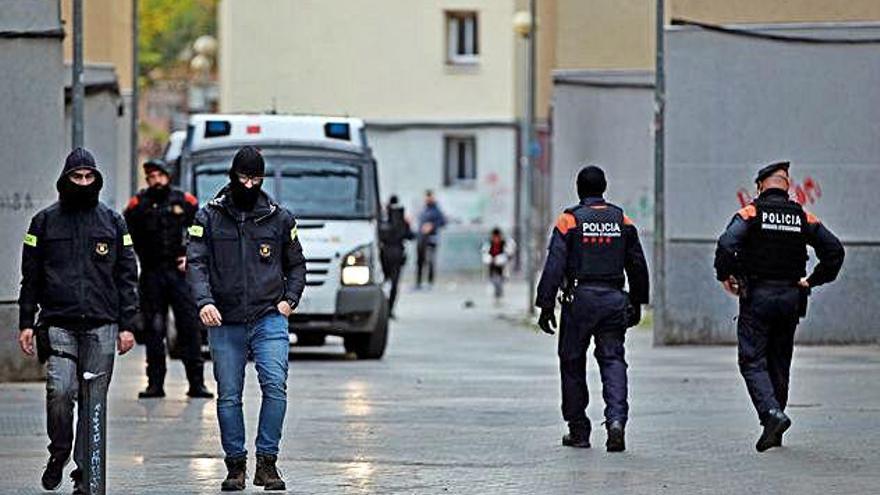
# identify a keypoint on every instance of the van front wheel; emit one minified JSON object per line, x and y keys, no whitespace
{"x":370,"y":345}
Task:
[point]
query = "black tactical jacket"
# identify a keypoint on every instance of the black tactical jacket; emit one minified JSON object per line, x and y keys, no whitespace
{"x":78,"y":269}
{"x":158,"y":224}
{"x":244,"y":263}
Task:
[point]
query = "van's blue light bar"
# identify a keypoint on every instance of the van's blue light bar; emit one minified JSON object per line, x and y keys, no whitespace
{"x":338,"y":130}
{"x":215,"y":128}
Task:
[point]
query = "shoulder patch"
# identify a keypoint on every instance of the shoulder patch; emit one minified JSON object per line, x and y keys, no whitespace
{"x":30,"y":240}
{"x":293,"y":233}
{"x":126,"y":240}
{"x":196,"y":230}
{"x":565,"y":222}
{"x":132,"y":203}
{"x":748,"y":212}
{"x":189,"y":198}
{"x":627,"y":220}
{"x":812,"y":219}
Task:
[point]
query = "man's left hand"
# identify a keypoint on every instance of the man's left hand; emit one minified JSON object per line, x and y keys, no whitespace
{"x":803,"y":283}
{"x":285,"y":309}
{"x":124,"y":342}
{"x":181,"y":263}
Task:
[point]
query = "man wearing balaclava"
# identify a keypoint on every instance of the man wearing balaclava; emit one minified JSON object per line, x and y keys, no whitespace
{"x":246,"y":269}
{"x":594,"y":249}
{"x":158,"y":217}
{"x":78,"y":298}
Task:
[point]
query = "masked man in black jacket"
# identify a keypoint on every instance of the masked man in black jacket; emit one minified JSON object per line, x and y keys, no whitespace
{"x":79,"y":272}
{"x":158,"y":217}
{"x":247,"y":273}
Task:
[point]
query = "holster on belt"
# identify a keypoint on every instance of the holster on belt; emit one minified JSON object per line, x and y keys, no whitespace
{"x":44,"y":347}
{"x":803,"y":299}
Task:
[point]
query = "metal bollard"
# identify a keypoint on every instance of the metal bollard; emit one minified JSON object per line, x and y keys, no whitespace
{"x":95,"y":473}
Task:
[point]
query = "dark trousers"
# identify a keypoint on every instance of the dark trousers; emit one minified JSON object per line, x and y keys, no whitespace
{"x":597,"y":313}
{"x":425,"y":256}
{"x":767,"y":320}
{"x":159,"y":289}
{"x":95,"y":350}
{"x":392,"y":276}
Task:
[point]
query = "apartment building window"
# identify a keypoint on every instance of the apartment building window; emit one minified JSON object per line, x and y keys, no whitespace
{"x":462,"y":39}
{"x":460,"y":161}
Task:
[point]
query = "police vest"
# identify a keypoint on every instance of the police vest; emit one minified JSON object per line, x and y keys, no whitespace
{"x":596,"y":245}
{"x":776,"y":246}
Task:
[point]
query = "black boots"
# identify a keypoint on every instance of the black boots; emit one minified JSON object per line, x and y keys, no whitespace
{"x":578,"y":435}
{"x":54,"y":472}
{"x":236,"y":472}
{"x":775,"y":424}
{"x":79,"y":487}
{"x":615,"y":441}
{"x":195,"y":375}
{"x":267,"y":474}
{"x":152,"y":392}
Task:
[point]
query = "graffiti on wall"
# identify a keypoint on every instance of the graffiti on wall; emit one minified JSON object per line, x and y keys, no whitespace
{"x":806,"y":192}
{"x":17,"y":201}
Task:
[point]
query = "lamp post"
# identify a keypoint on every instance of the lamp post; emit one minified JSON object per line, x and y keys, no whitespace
{"x":77,"y":90}
{"x":524,"y":26}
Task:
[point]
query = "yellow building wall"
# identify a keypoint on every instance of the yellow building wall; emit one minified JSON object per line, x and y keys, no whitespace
{"x":107,"y":27}
{"x":379,"y":60}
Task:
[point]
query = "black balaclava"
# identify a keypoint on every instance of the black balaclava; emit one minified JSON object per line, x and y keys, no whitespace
{"x":591,"y":182}
{"x":73,"y":196}
{"x":158,"y":192}
{"x":247,"y":161}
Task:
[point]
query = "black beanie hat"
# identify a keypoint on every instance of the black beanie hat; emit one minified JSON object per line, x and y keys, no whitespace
{"x":156,"y":164}
{"x":591,"y":182}
{"x":79,"y":158}
{"x":248,"y":161}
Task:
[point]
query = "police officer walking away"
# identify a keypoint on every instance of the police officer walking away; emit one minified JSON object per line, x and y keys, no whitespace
{"x":79,"y":273}
{"x":593,"y":250}
{"x":393,"y":234}
{"x":247,"y":273}
{"x":158,"y":217}
{"x":761,"y":257}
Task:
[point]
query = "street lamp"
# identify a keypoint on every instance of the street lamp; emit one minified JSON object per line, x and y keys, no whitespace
{"x":524,"y":27}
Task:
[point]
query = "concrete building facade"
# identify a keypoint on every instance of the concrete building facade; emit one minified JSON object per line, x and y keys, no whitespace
{"x":438,"y":84}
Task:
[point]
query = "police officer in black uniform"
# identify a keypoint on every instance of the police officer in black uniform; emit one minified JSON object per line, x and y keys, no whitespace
{"x":393,"y":234}
{"x":591,"y":248}
{"x":761,"y":258}
{"x":78,"y":298}
{"x":158,"y":217}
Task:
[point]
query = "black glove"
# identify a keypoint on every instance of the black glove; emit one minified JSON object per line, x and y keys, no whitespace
{"x":547,"y":320}
{"x":633,"y":314}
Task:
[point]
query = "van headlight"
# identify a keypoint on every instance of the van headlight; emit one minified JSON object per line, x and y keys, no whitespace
{"x":357,"y":266}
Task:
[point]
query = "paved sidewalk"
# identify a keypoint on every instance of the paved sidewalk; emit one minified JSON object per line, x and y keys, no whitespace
{"x":466,"y":401}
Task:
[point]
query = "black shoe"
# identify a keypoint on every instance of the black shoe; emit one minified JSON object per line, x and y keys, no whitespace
{"x":79,"y":488}
{"x":775,"y":424}
{"x":199,"y":392}
{"x":578,"y":436}
{"x":236,"y":473}
{"x":54,"y":473}
{"x":267,"y":473}
{"x":616,"y":434}
{"x":152,"y":392}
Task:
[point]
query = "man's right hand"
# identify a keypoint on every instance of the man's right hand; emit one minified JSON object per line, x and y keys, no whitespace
{"x":210,"y":316}
{"x":26,"y":341}
{"x":731,"y":285}
{"x":547,"y":320}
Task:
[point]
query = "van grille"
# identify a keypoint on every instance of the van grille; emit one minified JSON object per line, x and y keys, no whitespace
{"x":317,"y":270}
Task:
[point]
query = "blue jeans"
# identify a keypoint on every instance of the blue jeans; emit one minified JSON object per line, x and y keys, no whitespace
{"x":267,"y":340}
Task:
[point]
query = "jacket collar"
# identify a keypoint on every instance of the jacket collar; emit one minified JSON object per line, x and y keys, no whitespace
{"x":264,"y":208}
{"x":773,"y":192}
{"x":593,"y":201}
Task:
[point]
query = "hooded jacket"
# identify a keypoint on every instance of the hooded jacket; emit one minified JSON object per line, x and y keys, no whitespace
{"x":244,"y":263}
{"x":78,"y":267}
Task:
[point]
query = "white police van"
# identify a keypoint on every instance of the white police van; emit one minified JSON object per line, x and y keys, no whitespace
{"x":322,"y":169}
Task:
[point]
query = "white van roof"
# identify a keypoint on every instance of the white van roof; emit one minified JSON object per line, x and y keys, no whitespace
{"x":214,"y":130}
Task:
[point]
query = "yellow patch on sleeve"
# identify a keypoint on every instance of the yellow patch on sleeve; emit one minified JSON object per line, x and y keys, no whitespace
{"x":293,"y":233}
{"x":196,"y":230}
{"x":126,"y":240}
{"x":30,"y":240}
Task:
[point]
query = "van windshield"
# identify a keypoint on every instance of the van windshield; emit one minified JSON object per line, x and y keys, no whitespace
{"x":309,"y":186}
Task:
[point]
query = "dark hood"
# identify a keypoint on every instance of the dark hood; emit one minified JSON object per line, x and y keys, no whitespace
{"x":264,"y":206}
